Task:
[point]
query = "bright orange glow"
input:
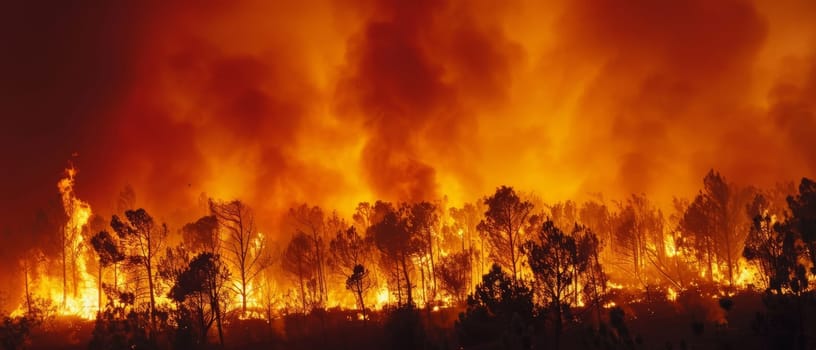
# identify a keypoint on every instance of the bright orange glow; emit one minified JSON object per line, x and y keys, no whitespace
{"x":671,"y":294}
{"x":80,"y":296}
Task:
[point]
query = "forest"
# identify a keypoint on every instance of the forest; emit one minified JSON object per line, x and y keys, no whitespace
{"x":732,"y":267}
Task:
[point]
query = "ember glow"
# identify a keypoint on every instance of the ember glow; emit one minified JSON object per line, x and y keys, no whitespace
{"x":74,"y":292}
{"x":289,"y":147}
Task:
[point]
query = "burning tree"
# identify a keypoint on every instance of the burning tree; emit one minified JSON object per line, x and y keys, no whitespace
{"x":359,"y":282}
{"x":716,"y":221}
{"x":772,"y":247}
{"x":202,"y":283}
{"x":421,"y":218}
{"x":78,"y":214}
{"x":554,"y":259}
{"x":498,"y":305}
{"x":465,"y":222}
{"x":143,"y":241}
{"x":311,"y":222}
{"x":505,"y":216}
{"x":299,"y":260}
{"x":803,"y":217}
{"x":202,"y":235}
{"x":454,"y":275}
{"x":638,"y":236}
{"x":109,"y":254}
{"x":594,"y":278}
{"x":564,"y":214}
{"x":348,"y":250}
{"x":245,"y":247}
{"x":394,"y":240}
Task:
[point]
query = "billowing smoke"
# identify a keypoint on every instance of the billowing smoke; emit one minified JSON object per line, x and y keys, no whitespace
{"x":333,"y":103}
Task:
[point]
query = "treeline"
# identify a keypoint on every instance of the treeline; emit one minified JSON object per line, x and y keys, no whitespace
{"x":511,"y":261}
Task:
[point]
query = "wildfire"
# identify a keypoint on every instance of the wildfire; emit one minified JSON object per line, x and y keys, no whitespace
{"x":671,"y":294}
{"x":748,"y":274}
{"x":669,"y":247}
{"x":76,"y":291}
{"x":382,"y":297}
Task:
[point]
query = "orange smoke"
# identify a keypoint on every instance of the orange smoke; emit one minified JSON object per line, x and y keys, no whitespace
{"x":333,"y":103}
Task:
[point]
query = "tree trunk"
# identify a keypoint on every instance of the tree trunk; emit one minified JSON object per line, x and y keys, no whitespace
{"x":399,"y":287}
{"x":558,"y":324}
{"x":99,"y":287}
{"x":243,"y":291}
{"x":432,"y":269}
{"x":27,"y":291}
{"x":362,"y":301}
{"x":216,"y":306}
{"x":152,"y":295}
{"x":410,"y":299}
{"x":302,"y":290}
{"x":512,"y":254}
{"x":64,"y":272}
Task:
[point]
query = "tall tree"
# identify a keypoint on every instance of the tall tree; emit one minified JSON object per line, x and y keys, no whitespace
{"x":564,"y":214}
{"x":717,"y":221}
{"x":244,"y":246}
{"x":299,"y":260}
{"x":108,"y":251}
{"x":202,"y":235}
{"x":349,"y":249}
{"x":312,"y":222}
{"x":638,"y":226}
{"x":144,"y":240}
{"x":505,"y":216}
{"x":772,"y":246}
{"x":465,"y":223}
{"x":453,"y":273}
{"x":421,"y":221}
{"x":595,"y":215}
{"x":803,"y":217}
{"x":204,"y":278}
{"x":589,"y":264}
{"x":359,"y":282}
{"x":554,"y":260}
{"x":498,"y":308}
{"x":394,"y":240}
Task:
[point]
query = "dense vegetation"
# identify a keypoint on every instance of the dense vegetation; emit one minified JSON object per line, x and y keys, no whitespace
{"x":732,"y":268}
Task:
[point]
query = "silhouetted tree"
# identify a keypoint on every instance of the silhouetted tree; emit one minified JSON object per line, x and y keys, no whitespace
{"x":555,"y":262}
{"x":109,"y":254}
{"x":422,"y":217}
{"x":505,"y":216}
{"x":394,"y":240}
{"x":596,"y":217}
{"x":454,"y":275}
{"x":467,"y":220}
{"x":638,"y":225}
{"x":298,"y":259}
{"x":359,"y":283}
{"x":202,"y":235}
{"x":349,"y":249}
{"x":15,"y":332}
{"x":492,"y":308}
{"x":204,"y":278}
{"x":143,"y":240}
{"x":312,"y":222}
{"x":717,"y":222}
{"x":564,"y":214}
{"x":803,"y":217}
{"x":594,"y":277}
{"x":244,"y":246}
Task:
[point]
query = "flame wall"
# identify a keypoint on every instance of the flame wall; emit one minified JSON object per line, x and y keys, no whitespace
{"x":334,"y":102}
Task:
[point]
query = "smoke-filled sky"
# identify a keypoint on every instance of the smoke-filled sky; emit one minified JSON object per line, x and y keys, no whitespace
{"x":334,"y":102}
